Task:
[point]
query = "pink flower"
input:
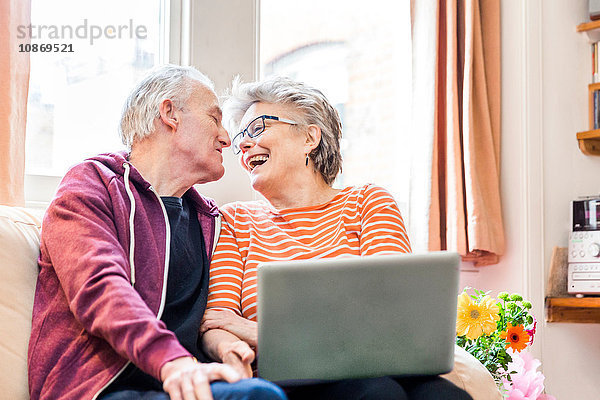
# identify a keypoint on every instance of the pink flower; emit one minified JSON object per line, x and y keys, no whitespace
{"x":527,"y":383}
{"x":531,"y":331}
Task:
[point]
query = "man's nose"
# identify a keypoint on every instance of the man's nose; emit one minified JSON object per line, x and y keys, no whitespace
{"x":224,"y":137}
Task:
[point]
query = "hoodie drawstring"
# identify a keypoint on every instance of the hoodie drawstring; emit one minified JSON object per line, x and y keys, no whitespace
{"x":217,"y":233}
{"x":131,"y":217}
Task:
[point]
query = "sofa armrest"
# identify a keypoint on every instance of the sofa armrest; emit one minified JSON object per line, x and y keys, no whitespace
{"x":469,"y":374}
{"x":19,"y":250}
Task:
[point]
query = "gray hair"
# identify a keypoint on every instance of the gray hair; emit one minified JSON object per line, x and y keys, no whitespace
{"x":164,"y":82}
{"x":313,"y":107}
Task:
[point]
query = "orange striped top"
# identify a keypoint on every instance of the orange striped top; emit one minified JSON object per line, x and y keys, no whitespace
{"x":358,"y":221}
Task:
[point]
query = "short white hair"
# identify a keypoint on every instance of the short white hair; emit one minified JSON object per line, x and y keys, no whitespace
{"x":168,"y":81}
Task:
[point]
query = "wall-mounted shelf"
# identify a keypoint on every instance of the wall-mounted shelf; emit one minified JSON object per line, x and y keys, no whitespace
{"x":589,"y":141}
{"x":591,"y":29}
{"x":572,"y":309}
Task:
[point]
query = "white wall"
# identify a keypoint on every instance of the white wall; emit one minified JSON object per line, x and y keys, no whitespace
{"x":546,"y":69}
{"x":571,"y":351}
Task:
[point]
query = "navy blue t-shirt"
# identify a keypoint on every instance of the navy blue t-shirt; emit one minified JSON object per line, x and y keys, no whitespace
{"x":187,"y":286}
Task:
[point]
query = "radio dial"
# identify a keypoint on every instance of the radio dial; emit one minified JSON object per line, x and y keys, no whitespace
{"x":595,"y":249}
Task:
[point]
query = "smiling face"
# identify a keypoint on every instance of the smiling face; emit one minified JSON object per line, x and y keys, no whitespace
{"x":200,"y":137}
{"x":278,"y":155}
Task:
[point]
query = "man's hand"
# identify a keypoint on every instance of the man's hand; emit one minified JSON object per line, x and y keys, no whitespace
{"x":239,"y":326}
{"x":186,"y":379}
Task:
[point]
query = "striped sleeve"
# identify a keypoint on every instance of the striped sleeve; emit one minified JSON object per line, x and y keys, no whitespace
{"x":226,"y":271}
{"x":382,"y":226}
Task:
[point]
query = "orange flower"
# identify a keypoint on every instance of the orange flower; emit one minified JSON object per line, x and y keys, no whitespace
{"x":516,"y":337}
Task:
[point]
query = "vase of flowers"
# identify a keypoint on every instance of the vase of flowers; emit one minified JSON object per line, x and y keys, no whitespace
{"x":498,"y":333}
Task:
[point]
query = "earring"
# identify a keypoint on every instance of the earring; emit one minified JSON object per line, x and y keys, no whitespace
{"x":307,"y":160}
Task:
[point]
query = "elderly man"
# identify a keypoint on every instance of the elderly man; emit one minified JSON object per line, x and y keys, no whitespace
{"x":125,"y":251}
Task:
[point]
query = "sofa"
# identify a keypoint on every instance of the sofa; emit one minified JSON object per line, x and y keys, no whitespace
{"x":19,"y":249}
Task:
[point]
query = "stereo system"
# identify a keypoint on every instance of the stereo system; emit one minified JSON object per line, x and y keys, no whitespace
{"x":594,"y":8}
{"x":584,"y":247}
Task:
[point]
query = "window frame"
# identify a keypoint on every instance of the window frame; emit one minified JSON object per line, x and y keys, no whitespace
{"x":40,"y":188}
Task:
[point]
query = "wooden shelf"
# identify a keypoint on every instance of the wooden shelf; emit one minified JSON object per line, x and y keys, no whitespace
{"x":594,"y":134}
{"x":589,"y":142}
{"x":573,"y":309}
{"x":591,"y":29}
{"x":588,"y":26}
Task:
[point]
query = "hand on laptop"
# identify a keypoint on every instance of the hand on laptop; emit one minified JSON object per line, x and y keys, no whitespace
{"x":239,"y":326}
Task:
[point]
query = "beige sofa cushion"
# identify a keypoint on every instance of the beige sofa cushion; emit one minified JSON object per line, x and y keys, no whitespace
{"x":469,"y":374}
{"x":19,"y":249}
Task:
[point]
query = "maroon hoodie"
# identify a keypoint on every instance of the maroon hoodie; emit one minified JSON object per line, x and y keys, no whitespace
{"x":99,"y":295}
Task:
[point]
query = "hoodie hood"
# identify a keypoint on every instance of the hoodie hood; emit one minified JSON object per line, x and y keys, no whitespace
{"x":115,"y":162}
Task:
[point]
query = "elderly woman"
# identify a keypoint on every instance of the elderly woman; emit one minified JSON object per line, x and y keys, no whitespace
{"x":289,"y":143}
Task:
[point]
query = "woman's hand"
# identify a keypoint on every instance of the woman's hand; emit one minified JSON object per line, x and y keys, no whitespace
{"x":239,"y":326}
{"x":239,"y":356}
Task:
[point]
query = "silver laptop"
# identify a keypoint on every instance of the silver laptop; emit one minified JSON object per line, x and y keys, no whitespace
{"x":357,"y":317}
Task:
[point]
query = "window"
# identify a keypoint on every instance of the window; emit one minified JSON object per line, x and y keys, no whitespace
{"x":76,"y":93}
{"x":360,"y":57}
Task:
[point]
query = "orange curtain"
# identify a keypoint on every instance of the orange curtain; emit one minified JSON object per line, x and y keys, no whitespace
{"x":14,"y":81}
{"x":464,"y":209}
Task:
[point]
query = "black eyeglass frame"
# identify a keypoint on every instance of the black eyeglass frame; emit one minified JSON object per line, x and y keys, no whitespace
{"x":237,"y":139}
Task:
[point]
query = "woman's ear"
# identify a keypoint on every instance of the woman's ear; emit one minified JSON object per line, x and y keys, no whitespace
{"x":168,"y":114}
{"x":313,"y":138}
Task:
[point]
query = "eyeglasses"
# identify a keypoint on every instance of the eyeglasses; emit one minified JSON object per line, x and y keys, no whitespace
{"x":254,"y":129}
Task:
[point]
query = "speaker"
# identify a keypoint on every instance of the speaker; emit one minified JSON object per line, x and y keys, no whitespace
{"x":594,"y":7}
